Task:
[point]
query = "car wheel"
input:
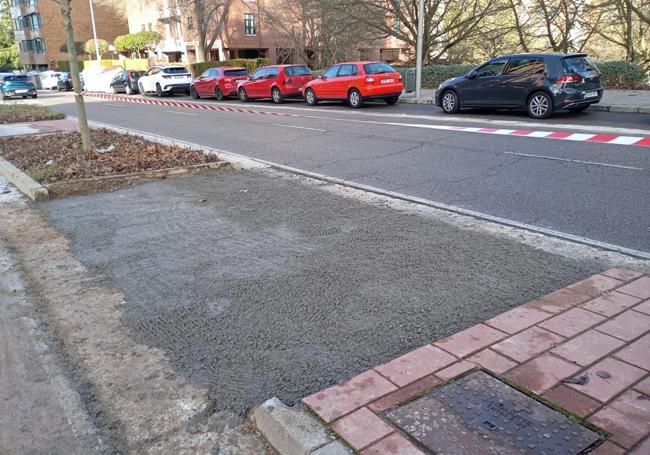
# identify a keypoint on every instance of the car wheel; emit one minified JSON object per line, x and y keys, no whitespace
{"x":579,"y":108}
{"x":159,"y":91}
{"x":34,"y":96}
{"x":540,"y":105}
{"x":141,"y":89}
{"x":355,"y":99}
{"x":194,"y":94}
{"x":392,"y":100}
{"x":128,"y":90}
{"x":310,"y":97}
{"x":218,"y":94}
{"x":450,"y":103}
{"x":243,"y":96}
{"x":114,"y":89}
{"x":277,"y":96}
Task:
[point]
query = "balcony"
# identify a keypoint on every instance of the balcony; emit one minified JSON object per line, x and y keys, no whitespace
{"x":168,"y":15}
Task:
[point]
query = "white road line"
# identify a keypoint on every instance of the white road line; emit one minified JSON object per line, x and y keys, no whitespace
{"x":114,"y":105}
{"x":246,"y":161}
{"x":181,"y":113}
{"x":300,"y":127}
{"x":592,"y":163}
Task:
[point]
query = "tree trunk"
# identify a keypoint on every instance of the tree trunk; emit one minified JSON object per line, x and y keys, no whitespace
{"x":86,"y":141}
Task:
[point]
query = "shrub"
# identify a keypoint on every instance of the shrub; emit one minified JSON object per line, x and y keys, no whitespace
{"x":64,"y":65}
{"x":434,"y":75}
{"x":623,"y":75}
{"x":89,"y":47}
{"x":250,"y":64}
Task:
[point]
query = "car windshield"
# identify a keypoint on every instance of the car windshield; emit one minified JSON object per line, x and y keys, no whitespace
{"x":297,"y":71}
{"x":241,"y":72}
{"x":378,"y":68}
{"x":16,"y":78}
{"x":64,"y":76}
{"x":581,"y":65}
{"x":174,"y":70}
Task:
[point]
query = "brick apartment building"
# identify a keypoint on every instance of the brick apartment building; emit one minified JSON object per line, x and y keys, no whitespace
{"x":38,"y":28}
{"x":245,"y":35}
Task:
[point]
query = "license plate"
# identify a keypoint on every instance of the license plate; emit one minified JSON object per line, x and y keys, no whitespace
{"x":591,"y":94}
{"x":180,"y":77}
{"x":387,"y":81}
{"x":21,"y":91}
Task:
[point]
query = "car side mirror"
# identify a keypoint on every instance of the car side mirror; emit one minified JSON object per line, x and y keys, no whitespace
{"x":323,"y":77}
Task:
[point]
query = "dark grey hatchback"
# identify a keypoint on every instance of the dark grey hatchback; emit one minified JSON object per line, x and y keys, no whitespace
{"x":539,"y":83}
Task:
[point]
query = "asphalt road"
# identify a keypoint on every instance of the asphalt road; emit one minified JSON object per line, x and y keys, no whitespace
{"x":592,"y":190}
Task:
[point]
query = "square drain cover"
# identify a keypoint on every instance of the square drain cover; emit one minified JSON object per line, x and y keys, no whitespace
{"x":481,"y":415}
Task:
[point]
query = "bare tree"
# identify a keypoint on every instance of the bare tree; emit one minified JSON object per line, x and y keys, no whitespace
{"x":317,"y":32}
{"x":86,"y":141}
{"x":209,"y":18}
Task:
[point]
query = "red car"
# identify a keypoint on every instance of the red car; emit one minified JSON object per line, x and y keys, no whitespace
{"x":356,"y":82}
{"x":276,"y":82}
{"x":218,"y":82}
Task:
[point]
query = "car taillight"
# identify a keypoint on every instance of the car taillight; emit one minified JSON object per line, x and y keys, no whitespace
{"x":569,"y":78}
{"x":370,"y":80}
{"x":399,"y":77}
{"x":167,"y":77}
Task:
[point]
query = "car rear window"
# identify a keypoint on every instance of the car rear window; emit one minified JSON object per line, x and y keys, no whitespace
{"x":235,"y":73}
{"x":174,"y":70}
{"x":16,"y":78}
{"x":581,"y":65}
{"x":378,"y":68}
{"x":297,"y":71}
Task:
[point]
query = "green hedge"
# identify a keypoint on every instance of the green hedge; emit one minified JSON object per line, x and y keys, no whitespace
{"x":623,"y":75}
{"x":64,"y":65}
{"x":250,"y":64}
{"x":615,"y":75}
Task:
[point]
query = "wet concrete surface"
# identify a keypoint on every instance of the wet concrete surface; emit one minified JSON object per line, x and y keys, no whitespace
{"x":258,"y":286}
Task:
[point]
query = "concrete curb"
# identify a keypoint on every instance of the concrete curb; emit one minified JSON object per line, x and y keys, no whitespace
{"x":32,"y":189}
{"x":295,"y":431}
{"x":593,"y":107}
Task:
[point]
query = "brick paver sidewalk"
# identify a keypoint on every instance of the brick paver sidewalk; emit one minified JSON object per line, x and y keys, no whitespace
{"x":599,"y":327}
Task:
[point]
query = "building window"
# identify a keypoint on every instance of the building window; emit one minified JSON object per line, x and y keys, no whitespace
{"x":249,"y":24}
{"x":190,"y":23}
{"x":389,"y":55}
{"x":149,"y":26}
{"x":39,"y":46}
{"x":33,"y":45}
{"x":144,"y":27}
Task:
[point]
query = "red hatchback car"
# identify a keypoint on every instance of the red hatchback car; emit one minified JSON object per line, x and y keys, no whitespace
{"x":356,"y":82}
{"x":218,"y":82}
{"x":276,"y":82}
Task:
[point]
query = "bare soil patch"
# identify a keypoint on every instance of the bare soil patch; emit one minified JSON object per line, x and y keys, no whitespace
{"x":17,"y":113}
{"x":59,"y":157}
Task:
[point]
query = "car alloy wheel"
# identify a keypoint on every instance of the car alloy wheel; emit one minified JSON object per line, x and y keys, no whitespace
{"x":128,"y":90}
{"x":194,"y":94}
{"x":114,"y":90}
{"x":355,"y":99}
{"x":243,"y":97}
{"x":218,"y":94}
{"x":141,"y":89}
{"x":310,"y":97}
{"x":450,"y":102}
{"x":159,"y":91}
{"x":276,"y":95}
{"x":539,"y":105}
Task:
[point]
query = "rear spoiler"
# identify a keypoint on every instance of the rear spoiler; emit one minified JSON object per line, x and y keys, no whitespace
{"x":575,"y":55}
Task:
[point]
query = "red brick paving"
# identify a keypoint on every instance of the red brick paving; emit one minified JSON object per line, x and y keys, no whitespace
{"x":627,"y":325}
{"x":598,"y":325}
{"x":637,"y":353}
{"x":490,"y":360}
{"x":415,"y":365}
{"x":572,"y":401}
{"x":627,"y":418}
{"x":621,"y":377}
{"x":543,"y":372}
{"x":588,"y":347}
{"x":395,"y":444}
{"x":362,"y":428}
{"x":570,"y":322}
{"x":611,"y":304}
{"x":470,"y":340}
{"x":528,"y":344}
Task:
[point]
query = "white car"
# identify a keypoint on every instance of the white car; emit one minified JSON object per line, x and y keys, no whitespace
{"x":165,"y":80}
{"x":50,"y":80}
{"x":98,"y":79}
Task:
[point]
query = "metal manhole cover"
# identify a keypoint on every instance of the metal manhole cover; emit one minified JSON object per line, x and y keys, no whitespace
{"x":481,"y":415}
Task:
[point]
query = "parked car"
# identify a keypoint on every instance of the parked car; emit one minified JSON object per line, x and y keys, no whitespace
{"x":126,"y":82}
{"x":356,"y":82}
{"x":277,"y":82}
{"x":165,"y":80}
{"x":64,"y":82}
{"x":50,"y":80}
{"x":17,"y":86}
{"x":540,"y":83}
{"x":218,"y":82}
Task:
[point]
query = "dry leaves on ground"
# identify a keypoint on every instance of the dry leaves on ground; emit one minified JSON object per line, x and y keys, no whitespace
{"x":16,"y":113}
{"x":55,"y":157}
